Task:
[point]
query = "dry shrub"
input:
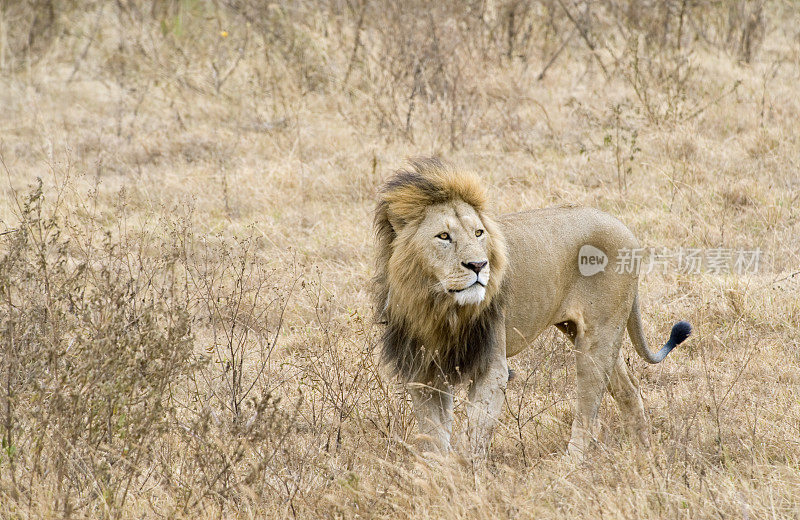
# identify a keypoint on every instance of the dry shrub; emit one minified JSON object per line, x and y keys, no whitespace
{"x":28,"y":29}
{"x":288,"y":36}
{"x":240,"y":304}
{"x":105,"y":390}
{"x":92,"y":347}
{"x":421,"y":66}
{"x":136,"y":358}
{"x":211,"y":464}
{"x":737,"y":25}
{"x":416,"y":70}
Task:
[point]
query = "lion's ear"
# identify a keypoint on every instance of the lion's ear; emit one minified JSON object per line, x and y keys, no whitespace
{"x":395,"y":221}
{"x":387,"y":223}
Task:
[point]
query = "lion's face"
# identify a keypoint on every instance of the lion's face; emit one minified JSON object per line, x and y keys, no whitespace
{"x":454,"y":243}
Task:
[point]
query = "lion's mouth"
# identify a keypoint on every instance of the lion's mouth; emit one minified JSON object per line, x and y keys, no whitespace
{"x":477,"y":282}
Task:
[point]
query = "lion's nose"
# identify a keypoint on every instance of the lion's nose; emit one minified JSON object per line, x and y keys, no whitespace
{"x":475,"y":266}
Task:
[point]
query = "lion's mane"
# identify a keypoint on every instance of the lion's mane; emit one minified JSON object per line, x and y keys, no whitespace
{"x":427,"y":333}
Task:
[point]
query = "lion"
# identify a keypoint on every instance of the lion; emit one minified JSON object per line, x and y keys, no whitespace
{"x":460,"y":292}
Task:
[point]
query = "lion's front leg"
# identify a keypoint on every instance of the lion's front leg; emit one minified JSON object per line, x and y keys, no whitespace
{"x":433,"y":408}
{"x":486,"y":397}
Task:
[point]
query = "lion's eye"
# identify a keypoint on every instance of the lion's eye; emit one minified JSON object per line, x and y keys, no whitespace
{"x":478,"y":232}
{"x":443,"y":236}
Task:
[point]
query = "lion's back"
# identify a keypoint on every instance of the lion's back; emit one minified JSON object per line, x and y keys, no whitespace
{"x":562,"y":231}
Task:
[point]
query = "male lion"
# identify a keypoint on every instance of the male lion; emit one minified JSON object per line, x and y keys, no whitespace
{"x":459,"y":293}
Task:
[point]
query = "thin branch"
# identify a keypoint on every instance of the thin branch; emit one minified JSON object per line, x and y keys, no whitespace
{"x":586,"y":39}
{"x":556,"y":54}
{"x":95,"y":30}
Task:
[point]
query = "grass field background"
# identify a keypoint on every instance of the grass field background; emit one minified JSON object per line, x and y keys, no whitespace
{"x":186,"y":248}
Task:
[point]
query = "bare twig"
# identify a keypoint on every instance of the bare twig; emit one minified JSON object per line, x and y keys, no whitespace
{"x":95,"y":30}
{"x":713,"y":101}
{"x":556,"y":54}
{"x":356,"y":44}
{"x":586,"y":39}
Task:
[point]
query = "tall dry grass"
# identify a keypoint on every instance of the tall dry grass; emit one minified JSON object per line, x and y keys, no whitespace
{"x":185,"y":251}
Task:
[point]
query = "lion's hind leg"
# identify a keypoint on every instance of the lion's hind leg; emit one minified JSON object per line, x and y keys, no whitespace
{"x":629,"y":401}
{"x":596,"y":352}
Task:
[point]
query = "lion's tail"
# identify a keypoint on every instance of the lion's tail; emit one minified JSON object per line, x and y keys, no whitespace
{"x":680,"y":331}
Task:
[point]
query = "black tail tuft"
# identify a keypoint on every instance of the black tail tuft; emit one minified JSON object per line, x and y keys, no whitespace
{"x":680,"y":331}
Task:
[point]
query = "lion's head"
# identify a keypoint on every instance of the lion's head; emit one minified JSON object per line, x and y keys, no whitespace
{"x":440,"y":266}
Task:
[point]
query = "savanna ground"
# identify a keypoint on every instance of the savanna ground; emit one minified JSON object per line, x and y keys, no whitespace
{"x":186,"y":250}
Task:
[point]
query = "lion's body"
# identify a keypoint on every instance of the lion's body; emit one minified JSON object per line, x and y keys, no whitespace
{"x":545,"y":287}
{"x":460,"y":292}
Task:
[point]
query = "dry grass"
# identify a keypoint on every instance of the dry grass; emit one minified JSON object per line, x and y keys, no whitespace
{"x":184,"y":303}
